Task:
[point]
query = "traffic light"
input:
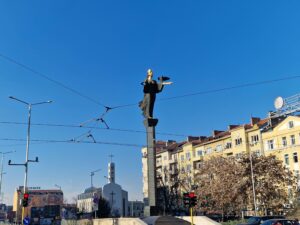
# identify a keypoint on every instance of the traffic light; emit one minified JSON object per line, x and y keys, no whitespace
{"x":186,"y":199}
{"x":25,"y":200}
{"x":193,"y":199}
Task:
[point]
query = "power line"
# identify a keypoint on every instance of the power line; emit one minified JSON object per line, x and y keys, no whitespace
{"x":75,"y":142}
{"x":135,"y":104}
{"x":218,"y":90}
{"x":89,"y":127}
{"x":52,"y":80}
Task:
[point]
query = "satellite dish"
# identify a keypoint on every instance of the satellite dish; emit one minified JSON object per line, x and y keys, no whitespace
{"x":279,"y":103}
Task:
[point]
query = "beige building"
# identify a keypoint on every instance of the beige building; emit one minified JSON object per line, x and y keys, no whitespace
{"x":280,"y":137}
{"x":283,"y":140}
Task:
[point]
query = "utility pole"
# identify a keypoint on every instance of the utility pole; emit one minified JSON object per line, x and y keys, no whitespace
{"x":1,"y":173}
{"x":29,"y":105}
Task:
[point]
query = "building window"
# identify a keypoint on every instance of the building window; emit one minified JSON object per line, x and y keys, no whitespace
{"x":165,"y":158}
{"x":228,"y":145}
{"x":182,"y":158}
{"x":219,"y":148}
{"x":291,"y":124}
{"x":188,"y":156}
{"x":238,"y":141}
{"x":293,"y":141}
{"x":199,"y":153}
{"x":270,"y":144}
{"x":257,"y":153}
{"x":188,"y":168}
{"x":297,"y":175}
{"x":286,"y":159}
{"x":284,"y":142}
{"x":208,"y":150}
{"x":295,"y":157}
{"x":254,"y":139}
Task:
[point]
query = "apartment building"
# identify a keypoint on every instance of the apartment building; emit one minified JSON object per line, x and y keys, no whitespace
{"x":180,"y":161}
{"x":283,"y":141}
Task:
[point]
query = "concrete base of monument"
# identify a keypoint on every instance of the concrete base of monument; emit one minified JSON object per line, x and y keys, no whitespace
{"x":150,"y":211}
{"x":119,"y":221}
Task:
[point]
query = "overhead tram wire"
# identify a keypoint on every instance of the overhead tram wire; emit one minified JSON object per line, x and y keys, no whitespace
{"x":74,"y":142}
{"x":53,"y":81}
{"x":90,"y":127}
{"x":135,"y":104}
{"x":40,"y":141}
{"x":218,"y":90}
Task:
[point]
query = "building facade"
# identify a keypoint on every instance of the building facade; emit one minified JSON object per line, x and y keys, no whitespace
{"x":135,"y":209}
{"x":86,"y":202}
{"x":42,"y":205}
{"x":269,"y":136}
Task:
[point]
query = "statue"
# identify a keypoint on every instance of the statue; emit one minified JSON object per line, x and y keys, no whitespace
{"x":151,"y":87}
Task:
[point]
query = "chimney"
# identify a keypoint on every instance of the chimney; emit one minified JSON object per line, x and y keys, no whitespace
{"x":254,"y":120}
{"x":230,"y":127}
{"x":216,"y":132}
{"x":193,"y":138}
{"x":169,"y":142}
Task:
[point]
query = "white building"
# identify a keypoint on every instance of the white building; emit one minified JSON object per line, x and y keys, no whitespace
{"x":135,"y":209}
{"x":113,"y":193}
{"x":85,"y":201}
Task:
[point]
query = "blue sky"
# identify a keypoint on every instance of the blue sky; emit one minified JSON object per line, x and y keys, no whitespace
{"x":103,"y":49}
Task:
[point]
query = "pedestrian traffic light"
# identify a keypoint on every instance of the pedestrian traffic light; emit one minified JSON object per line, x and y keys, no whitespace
{"x":25,"y":200}
{"x":186,"y":199}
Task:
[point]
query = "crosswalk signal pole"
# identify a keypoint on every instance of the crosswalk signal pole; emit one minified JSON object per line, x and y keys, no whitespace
{"x":191,"y":212}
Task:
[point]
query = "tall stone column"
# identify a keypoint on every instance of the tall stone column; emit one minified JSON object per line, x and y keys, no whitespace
{"x":151,"y":208}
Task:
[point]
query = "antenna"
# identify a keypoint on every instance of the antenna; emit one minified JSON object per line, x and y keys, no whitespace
{"x":286,"y":106}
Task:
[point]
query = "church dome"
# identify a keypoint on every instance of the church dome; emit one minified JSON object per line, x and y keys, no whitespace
{"x":90,"y":190}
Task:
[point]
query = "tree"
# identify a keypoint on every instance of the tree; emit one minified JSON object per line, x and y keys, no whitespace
{"x":225,"y":184}
{"x":218,"y":185}
{"x":274,"y":184}
{"x":169,"y":196}
{"x":103,"y":208}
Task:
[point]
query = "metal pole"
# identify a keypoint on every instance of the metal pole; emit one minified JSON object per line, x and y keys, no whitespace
{"x":27,"y":154}
{"x":1,"y":175}
{"x":192,"y":219}
{"x":253,"y":185}
{"x":27,"y":143}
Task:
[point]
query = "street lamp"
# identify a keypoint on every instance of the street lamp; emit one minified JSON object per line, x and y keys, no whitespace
{"x":253,"y":184}
{"x":29,"y":105}
{"x":1,"y":173}
{"x":92,"y":174}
